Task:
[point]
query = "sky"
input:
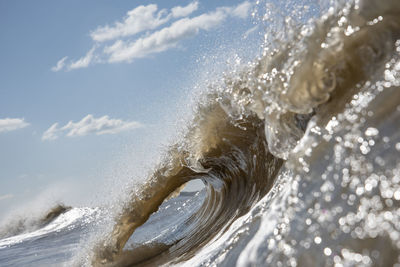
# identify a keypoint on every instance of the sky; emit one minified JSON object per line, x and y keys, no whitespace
{"x":88,"y":86}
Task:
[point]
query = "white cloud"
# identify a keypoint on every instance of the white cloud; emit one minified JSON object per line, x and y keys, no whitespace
{"x":148,"y":18}
{"x":169,"y":37}
{"x":83,"y":62}
{"x":137,"y":20}
{"x":140,"y":19}
{"x":179,"y":11}
{"x":7,"y":196}
{"x":242,"y":10}
{"x":51,"y":133}
{"x":60,"y":65}
{"x":11,"y":124}
{"x":164,"y":39}
{"x":90,"y":125}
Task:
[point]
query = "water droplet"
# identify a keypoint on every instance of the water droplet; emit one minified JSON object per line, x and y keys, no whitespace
{"x":327,"y":251}
{"x":398,"y":146}
{"x":371,"y":131}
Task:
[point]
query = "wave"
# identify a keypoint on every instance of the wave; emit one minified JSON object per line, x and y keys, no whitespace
{"x":20,"y":224}
{"x":56,"y":219}
{"x":245,"y":127}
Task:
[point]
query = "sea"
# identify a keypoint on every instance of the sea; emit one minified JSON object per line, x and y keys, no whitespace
{"x":298,"y":150}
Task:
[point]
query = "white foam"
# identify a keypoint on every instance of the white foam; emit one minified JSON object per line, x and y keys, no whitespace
{"x":66,"y":219}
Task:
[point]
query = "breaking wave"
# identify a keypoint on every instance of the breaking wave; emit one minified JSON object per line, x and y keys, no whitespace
{"x":55,"y":220}
{"x":19,"y":224}
{"x":258,"y":138}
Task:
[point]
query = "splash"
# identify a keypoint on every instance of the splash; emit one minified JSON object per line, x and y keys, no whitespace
{"x":261,"y":136}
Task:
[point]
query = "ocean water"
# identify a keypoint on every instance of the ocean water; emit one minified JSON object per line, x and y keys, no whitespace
{"x":298,"y":151}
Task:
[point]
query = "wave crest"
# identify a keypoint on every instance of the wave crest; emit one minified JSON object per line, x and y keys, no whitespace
{"x":248,"y":124}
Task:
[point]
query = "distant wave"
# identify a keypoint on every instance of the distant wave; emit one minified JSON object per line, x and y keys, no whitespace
{"x":56,"y":219}
{"x":19,"y":224}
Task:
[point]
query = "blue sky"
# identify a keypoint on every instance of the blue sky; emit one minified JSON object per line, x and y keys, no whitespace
{"x":87,"y":83}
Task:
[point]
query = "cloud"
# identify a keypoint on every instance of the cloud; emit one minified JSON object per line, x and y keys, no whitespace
{"x":82,"y":62}
{"x":7,"y":196}
{"x":149,"y":18}
{"x":60,"y":65}
{"x":164,"y":39}
{"x":169,"y":37}
{"x":137,"y":20}
{"x":140,"y":19}
{"x":179,"y":11}
{"x":90,"y":125}
{"x":242,"y":10}
{"x":9,"y":124}
{"x":51,"y":133}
